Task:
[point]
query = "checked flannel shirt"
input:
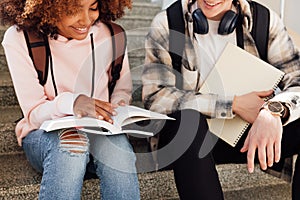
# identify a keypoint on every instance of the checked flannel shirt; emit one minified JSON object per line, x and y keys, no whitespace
{"x":161,"y":95}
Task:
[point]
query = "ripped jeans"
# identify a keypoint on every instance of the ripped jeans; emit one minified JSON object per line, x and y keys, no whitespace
{"x":62,"y":158}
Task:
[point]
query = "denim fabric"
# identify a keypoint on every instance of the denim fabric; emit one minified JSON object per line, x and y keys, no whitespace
{"x":63,"y":164}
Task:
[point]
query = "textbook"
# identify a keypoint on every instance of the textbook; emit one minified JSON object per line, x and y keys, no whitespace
{"x":237,"y":72}
{"x":126,"y":115}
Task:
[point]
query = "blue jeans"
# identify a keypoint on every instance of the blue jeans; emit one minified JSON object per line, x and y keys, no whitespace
{"x":62,"y":158}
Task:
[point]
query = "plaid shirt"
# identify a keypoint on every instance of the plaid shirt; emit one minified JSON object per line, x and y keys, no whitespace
{"x":161,"y":95}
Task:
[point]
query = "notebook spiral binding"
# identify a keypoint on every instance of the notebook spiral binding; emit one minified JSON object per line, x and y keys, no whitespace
{"x":247,"y":125}
{"x":277,"y":83}
{"x":275,"y":87}
{"x":241,"y":134}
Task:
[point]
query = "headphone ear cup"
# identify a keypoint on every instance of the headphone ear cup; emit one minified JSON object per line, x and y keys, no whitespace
{"x":199,"y":22}
{"x":228,"y":23}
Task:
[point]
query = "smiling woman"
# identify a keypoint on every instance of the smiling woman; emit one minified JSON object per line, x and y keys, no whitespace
{"x":77,"y":38}
{"x":76,"y":26}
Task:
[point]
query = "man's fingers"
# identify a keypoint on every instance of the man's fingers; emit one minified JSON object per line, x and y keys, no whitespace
{"x":270,"y":154}
{"x":277,"y":150}
{"x":264,"y":93}
{"x":246,"y":144}
{"x":262,"y":157}
{"x":250,"y":158}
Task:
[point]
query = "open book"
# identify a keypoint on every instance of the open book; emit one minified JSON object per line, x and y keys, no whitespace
{"x":237,"y":72}
{"x":126,"y":115}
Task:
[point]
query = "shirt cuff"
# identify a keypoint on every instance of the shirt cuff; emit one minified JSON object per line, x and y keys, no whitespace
{"x":224,"y":109}
{"x":292,"y":101}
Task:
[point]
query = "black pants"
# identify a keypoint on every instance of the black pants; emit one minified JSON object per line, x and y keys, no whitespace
{"x":191,"y":151}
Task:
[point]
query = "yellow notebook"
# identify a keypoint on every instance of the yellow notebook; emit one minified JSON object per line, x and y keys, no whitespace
{"x":237,"y":72}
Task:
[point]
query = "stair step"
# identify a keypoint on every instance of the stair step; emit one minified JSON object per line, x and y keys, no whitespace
{"x":7,"y":93}
{"x":132,"y":22}
{"x":8,"y":142}
{"x":10,"y":114}
{"x":143,"y":9}
{"x":18,"y":180}
{"x":136,"y":40}
{"x":3,"y":63}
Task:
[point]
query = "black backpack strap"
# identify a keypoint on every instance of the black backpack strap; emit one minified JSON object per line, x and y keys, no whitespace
{"x":119,"y":41}
{"x":260,"y":30}
{"x":39,"y":51}
{"x":239,"y":32}
{"x":176,"y":38}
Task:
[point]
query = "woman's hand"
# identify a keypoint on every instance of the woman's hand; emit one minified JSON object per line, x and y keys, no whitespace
{"x":87,"y":106}
{"x":247,"y":106}
{"x":121,"y":103}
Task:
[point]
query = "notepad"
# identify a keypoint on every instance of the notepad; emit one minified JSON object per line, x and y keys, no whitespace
{"x":237,"y":72}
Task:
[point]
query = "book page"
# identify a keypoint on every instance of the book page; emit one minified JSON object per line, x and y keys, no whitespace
{"x":72,"y":121}
{"x":130,"y":114}
{"x":131,"y":132}
{"x":125,"y":115}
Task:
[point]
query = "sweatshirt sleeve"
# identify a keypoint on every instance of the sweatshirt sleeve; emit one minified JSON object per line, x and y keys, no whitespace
{"x":34,"y":102}
{"x":284,"y":55}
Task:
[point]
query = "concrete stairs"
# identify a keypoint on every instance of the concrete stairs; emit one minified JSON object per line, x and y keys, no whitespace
{"x":19,"y":181}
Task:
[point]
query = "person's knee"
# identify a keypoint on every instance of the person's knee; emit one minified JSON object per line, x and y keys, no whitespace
{"x":189,"y":120}
{"x":73,"y":141}
{"x":115,"y":152}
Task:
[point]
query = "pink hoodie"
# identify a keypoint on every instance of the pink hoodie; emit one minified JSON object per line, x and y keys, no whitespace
{"x":72,"y":66}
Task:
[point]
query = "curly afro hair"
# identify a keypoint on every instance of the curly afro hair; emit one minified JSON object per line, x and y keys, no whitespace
{"x":41,"y":16}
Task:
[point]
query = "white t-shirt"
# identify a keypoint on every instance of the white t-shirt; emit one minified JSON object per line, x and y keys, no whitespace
{"x":211,"y":46}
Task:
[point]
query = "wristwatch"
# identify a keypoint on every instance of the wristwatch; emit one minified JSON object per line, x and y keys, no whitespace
{"x":275,"y":107}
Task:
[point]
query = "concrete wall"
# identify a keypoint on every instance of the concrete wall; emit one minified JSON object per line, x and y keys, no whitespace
{"x":288,"y":10}
{"x":291,"y":16}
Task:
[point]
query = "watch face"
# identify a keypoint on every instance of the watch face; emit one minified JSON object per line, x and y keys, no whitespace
{"x":275,"y":107}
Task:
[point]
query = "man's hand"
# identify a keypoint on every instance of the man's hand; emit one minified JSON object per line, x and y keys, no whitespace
{"x":265,"y":136}
{"x":87,"y":106}
{"x":247,"y":106}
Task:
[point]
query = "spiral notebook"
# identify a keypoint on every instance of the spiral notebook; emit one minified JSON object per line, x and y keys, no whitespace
{"x":237,"y":72}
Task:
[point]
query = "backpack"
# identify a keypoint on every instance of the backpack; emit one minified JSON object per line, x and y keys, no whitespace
{"x":260,"y":33}
{"x":39,"y":52}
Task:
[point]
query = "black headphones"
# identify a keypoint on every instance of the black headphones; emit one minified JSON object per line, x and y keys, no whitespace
{"x":227,"y":24}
